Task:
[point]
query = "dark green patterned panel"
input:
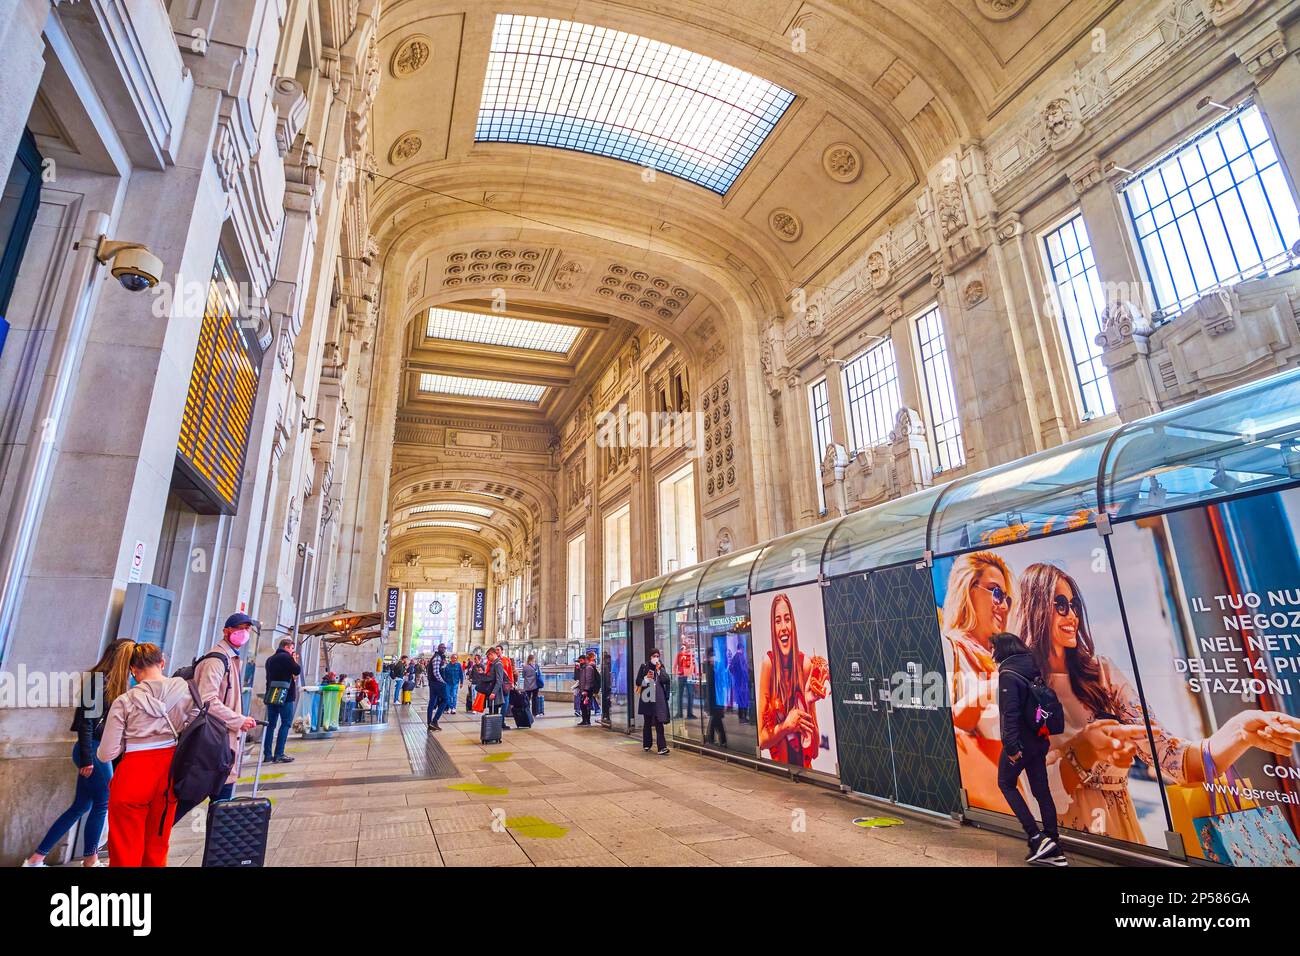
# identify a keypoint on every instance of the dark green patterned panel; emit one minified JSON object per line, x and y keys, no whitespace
{"x":901,"y":609}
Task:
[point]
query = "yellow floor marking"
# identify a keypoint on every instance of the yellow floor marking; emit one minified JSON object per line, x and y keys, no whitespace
{"x":477,"y":788}
{"x":497,"y":758}
{"x":536,"y":828}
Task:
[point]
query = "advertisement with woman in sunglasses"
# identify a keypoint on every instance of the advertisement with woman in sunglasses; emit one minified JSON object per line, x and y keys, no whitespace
{"x":1057,"y":594}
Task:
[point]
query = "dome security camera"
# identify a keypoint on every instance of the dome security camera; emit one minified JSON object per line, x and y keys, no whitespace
{"x":134,"y":266}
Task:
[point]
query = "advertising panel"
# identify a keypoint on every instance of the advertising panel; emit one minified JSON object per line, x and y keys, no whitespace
{"x":793,"y":679}
{"x":1212,"y":597}
{"x":480,"y":603}
{"x":1058,"y":595}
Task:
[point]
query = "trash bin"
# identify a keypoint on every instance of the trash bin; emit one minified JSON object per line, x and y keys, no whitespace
{"x":331,"y":695}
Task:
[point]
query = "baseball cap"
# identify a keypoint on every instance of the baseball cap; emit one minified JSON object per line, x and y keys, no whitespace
{"x":239,"y":620}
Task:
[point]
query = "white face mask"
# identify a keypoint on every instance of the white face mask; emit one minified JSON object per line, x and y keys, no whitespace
{"x":655,"y":660}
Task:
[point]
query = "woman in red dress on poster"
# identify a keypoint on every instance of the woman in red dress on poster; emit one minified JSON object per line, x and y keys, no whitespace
{"x":789,"y":686}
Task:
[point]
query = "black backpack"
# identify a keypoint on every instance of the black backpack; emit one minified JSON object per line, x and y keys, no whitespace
{"x":203,"y":756}
{"x":189,"y":671}
{"x":1048,"y":718}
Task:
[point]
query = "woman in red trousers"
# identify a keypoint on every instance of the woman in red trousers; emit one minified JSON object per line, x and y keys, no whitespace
{"x":142,"y":727}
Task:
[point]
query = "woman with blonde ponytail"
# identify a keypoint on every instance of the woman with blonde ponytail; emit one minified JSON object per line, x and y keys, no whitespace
{"x":100,"y":686}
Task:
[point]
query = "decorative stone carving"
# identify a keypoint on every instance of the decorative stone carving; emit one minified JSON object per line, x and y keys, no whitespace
{"x":410,"y":55}
{"x":1120,"y":321}
{"x":951,"y":208}
{"x":290,"y":103}
{"x":1213,"y":312}
{"x":813,"y":320}
{"x":1060,"y":123}
{"x":651,"y":293}
{"x":568,"y":275}
{"x":405,"y":147}
{"x":1224,"y":11}
{"x":973,"y":293}
{"x":726,"y":542}
{"x":878,"y":269}
{"x":1000,"y":9}
{"x":842,"y":162}
{"x":1263,"y":57}
{"x":785,"y":224}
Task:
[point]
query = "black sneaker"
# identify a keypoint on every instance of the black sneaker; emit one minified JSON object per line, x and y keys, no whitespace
{"x":1040,"y":845}
{"x":646,"y":749}
{"x":664,"y":752}
{"x":283,"y":760}
{"x":1055,"y":858}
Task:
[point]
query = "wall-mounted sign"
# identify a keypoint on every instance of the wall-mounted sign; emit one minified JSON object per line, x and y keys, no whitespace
{"x":480,"y":603}
{"x":390,"y":610}
{"x":137,"y":563}
{"x":219,"y":406}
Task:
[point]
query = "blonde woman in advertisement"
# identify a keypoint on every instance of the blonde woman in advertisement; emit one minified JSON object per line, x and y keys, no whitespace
{"x":978,"y":603}
{"x":789,"y":686}
{"x":1104,"y":719}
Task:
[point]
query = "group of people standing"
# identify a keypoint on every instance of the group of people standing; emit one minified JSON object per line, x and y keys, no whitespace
{"x":128,"y":723}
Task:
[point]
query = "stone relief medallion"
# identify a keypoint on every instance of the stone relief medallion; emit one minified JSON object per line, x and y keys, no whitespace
{"x":1058,"y":121}
{"x":974,"y":293}
{"x":785,"y":224}
{"x":842,"y":162}
{"x":1001,"y":9}
{"x":877,"y":269}
{"x":410,"y":55}
{"x":405,"y":148}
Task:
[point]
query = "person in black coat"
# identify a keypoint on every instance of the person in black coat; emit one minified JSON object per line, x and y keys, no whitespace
{"x":282,"y":667}
{"x":654,"y":685}
{"x":1024,"y":749}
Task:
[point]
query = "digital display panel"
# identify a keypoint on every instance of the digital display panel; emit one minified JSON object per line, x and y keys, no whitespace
{"x":219,"y":407}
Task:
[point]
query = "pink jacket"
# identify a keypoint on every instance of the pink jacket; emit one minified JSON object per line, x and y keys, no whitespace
{"x":222,"y":688}
{"x":148,"y":716}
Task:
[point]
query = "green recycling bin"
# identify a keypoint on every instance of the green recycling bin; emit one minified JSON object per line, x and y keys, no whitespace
{"x":331,"y":695}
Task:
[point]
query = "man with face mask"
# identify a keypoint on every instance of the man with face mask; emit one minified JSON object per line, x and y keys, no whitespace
{"x":218,"y":679}
{"x":654,"y":686}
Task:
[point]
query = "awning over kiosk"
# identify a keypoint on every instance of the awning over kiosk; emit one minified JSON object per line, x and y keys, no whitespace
{"x":727,"y":576}
{"x":1240,"y":441}
{"x":793,"y":559}
{"x":681,"y":588}
{"x":645,"y":596}
{"x":616,"y":606}
{"x":1054,"y":490}
{"x":889,"y":533}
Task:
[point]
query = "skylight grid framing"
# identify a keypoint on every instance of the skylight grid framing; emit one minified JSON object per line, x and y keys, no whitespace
{"x":462,"y":525}
{"x":610,"y":93}
{"x":453,"y":507}
{"x":457,"y":325}
{"x":464,"y":387}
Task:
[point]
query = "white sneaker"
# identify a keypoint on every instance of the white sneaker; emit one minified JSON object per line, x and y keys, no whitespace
{"x":30,"y":863}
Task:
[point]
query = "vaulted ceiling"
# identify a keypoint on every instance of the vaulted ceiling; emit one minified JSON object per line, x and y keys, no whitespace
{"x":881,"y":91}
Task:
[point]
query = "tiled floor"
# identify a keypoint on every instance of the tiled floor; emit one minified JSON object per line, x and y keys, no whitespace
{"x":574,"y":797}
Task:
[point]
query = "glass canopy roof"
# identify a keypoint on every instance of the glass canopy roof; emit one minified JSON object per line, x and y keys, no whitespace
{"x":480,"y":388}
{"x":597,"y":90}
{"x":794,"y":559}
{"x":1235,"y":442}
{"x":616,"y":606}
{"x":727,"y":576}
{"x":890,"y":533}
{"x":505,"y":330}
{"x":453,"y":506}
{"x":681,"y":587}
{"x":1232,"y":443}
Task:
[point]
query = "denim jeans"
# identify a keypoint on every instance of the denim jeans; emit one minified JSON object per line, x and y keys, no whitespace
{"x":274,"y":740}
{"x":90,"y":796}
{"x":453,"y":689}
{"x":397,"y":691}
{"x":437,"y":701}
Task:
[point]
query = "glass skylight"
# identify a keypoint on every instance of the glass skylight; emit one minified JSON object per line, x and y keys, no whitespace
{"x":462,"y":525}
{"x":596,"y":90}
{"x":480,"y":388}
{"x":453,"y":506}
{"x":500,"y":330}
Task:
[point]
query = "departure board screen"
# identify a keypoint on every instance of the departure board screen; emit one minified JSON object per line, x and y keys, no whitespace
{"x":219,"y":407}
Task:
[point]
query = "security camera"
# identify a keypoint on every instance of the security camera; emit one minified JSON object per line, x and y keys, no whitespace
{"x":133,"y":265}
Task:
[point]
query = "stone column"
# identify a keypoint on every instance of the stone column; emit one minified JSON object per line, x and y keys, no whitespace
{"x":22,"y":45}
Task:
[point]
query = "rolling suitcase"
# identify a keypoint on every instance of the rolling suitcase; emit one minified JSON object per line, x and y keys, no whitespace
{"x":490,"y":730}
{"x":237,"y":828}
{"x":519,"y":709}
